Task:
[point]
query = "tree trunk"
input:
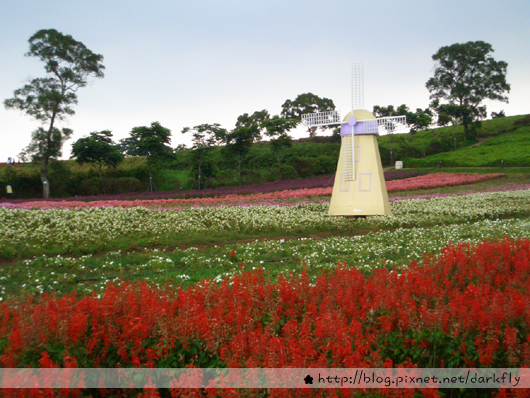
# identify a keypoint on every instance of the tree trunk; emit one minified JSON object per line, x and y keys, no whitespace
{"x":44,"y":178}
{"x":46,"y":159}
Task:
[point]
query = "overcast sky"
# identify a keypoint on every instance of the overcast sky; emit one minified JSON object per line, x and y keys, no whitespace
{"x":184,"y":63}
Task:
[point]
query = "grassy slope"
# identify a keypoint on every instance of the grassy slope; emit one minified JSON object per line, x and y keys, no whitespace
{"x":513,"y":149}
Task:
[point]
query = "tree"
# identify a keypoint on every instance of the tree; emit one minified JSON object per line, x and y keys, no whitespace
{"x":277,"y":128}
{"x":466,"y":74}
{"x":306,"y":103}
{"x":258,"y":118}
{"x":151,"y":142}
{"x":238,"y":143}
{"x":418,"y":120}
{"x":69,"y":65}
{"x":205,"y":136}
{"x":97,"y":149}
{"x":498,"y":115}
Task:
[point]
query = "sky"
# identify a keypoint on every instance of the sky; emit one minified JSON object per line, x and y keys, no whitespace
{"x":185,"y":63}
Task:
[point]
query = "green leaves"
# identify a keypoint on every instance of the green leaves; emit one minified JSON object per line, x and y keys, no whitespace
{"x":68,"y":59}
{"x":151,"y":142}
{"x":69,"y":65}
{"x":306,"y":103}
{"x":98,"y":148}
{"x":466,"y":74}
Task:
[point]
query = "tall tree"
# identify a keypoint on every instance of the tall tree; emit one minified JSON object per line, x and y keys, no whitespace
{"x":306,"y":103}
{"x":69,"y":65}
{"x":466,"y":74}
{"x":277,"y":128}
{"x":238,"y":143}
{"x":151,"y":142}
{"x":99,"y":150}
{"x":205,"y":136}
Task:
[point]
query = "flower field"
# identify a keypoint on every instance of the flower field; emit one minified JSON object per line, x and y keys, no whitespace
{"x":466,"y":308}
{"x":412,"y":183}
{"x":269,"y":281}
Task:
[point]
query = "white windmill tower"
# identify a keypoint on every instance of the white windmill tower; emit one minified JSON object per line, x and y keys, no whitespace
{"x":359,"y":188}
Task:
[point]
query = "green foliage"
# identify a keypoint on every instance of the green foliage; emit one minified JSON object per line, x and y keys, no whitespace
{"x":466,"y":74}
{"x":238,"y":143}
{"x":510,"y":149}
{"x":112,"y":186}
{"x":69,"y":65}
{"x":441,"y":140}
{"x":98,"y":148}
{"x":277,"y":128}
{"x":69,"y":178}
{"x":496,"y":115}
{"x":47,"y":145}
{"x":151,"y":142}
{"x":308,"y":157}
{"x":306,"y":103}
{"x":419,"y":120}
{"x":205,"y":137}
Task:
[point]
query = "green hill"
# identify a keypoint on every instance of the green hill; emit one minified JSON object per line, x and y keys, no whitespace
{"x":504,"y":139}
{"x":511,"y":149}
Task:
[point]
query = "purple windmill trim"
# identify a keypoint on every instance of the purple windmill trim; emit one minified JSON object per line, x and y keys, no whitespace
{"x":369,"y":184}
{"x":360,"y":128}
{"x":341,"y":182}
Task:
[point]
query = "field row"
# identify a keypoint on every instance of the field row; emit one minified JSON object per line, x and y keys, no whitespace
{"x":414,"y":183}
{"x":186,"y":267}
{"x":57,"y":231}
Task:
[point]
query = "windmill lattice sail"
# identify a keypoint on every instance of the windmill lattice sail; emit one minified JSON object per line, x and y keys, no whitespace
{"x":321,"y":118}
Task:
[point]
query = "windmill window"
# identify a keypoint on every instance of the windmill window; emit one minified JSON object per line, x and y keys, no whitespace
{"x":365,"y":182}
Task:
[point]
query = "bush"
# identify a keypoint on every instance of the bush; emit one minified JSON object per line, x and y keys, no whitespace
{"x":111,"y":186}
{"x":285,"y":172}
{"x":525,"y":121}
{"x":252,"y":177}
{"x":304,"y":166}
{"x":122,"y":185}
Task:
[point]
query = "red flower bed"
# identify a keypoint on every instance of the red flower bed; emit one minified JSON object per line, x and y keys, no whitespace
{"x":467,"y":308}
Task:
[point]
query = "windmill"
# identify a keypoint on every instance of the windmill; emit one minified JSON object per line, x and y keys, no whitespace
{"x":359,"y":188}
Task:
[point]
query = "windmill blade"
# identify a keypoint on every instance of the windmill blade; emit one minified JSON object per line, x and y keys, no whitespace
{"x":318,"y":119}
{"x":357,"y":86}
{"x":347,"y":154}
{"x":393,"y":124}
{"x":390,"y":124}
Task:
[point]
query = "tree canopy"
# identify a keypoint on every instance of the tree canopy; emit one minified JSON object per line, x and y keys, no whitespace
{"x":418,"y":120}
{"x":238,"y":143}
{"x":466,"y":74}
{"x":306,"y":103}
{"x":151,"y":142}
{"x":277,"y":128}
{"x":99,"y":150}
{"x":205,"y":136}
{"x":69,"y":64}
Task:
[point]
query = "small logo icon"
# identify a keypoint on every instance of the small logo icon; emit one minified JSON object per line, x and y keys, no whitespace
{"x":308,"y":379}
